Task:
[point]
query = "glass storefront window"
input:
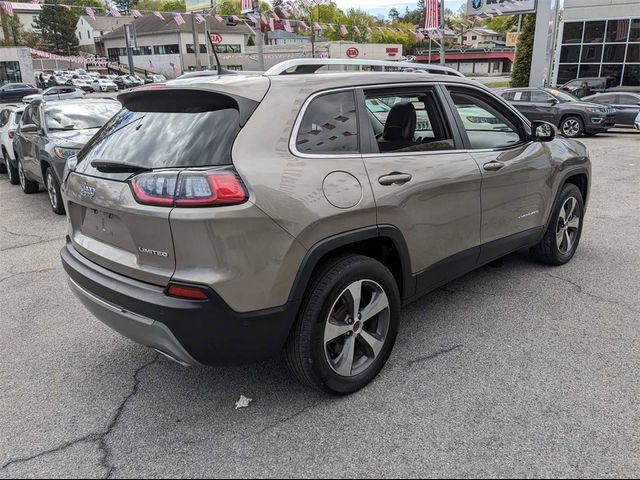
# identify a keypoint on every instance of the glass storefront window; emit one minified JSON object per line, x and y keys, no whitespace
{"x":612,"y":71}
{"x":587,"y":70}
{"x":591,"y":54}
{"x":631,"y":76}
{"x":10,"y":72}
{"x":614,"y":53}
{"x":633,"y":53}
{"x":567,"y":73}
{"x":572,"y":32}
{"x":570,"y":54}
{"x":594,"y":32}
{"x":634,"y":33}
{"x":618,"y":30}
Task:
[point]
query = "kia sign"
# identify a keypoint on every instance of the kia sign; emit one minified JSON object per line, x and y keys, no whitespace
{"x":353,"y":52}
{"x":488,"y":8}
{"x":216,"y":38}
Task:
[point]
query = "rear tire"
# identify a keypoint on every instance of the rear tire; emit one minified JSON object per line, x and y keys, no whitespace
{"x":12,"y":172}
{"x":335,"y":345}
{"x":572,"y":127}
{"x":3,"y":164}
{"x":562,"y":237}
{"x":28,"y":186}
{"x":53,"y":190}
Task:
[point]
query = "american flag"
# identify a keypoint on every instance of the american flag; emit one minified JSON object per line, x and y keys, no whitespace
{"x":7,"y":7}
{"x":199,"y":18}
{"x":178,"y":18}
{"x":219,"y":18}
{"x":344,"y":31}
{"x":357,"y":30}
{"x":114,"y":11}
{"x":622,"y":29}
{"x":91,"y":13}
{"x":246,"y":6}
{"x":287,"y":26}
{"x":159,"y":15}
{"x":432,"y":9}
{"x":136,"y":14}
{"x":66,"y":7}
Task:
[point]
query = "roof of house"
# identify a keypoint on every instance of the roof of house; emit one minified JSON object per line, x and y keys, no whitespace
{"x":26,"y":7}
{"x":150,"y":24}
{"x":285,"y":34}
{"x":484,"y":31}
{"x":105,"y":23}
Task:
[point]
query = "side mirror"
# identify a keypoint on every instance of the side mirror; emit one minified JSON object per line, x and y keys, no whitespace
{"x":31,"y":128}
{"x":542,"y":132}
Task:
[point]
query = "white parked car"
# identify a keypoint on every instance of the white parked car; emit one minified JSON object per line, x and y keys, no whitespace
{"x":104,"y":85}
{"x":9,"y":119}
{"x":63,"y":92}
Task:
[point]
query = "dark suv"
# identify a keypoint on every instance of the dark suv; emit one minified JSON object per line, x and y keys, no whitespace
{"x":572,"y":116}
{"x":13,"y":92}
{"x":51,"y":132}
{"x":223,"y":219}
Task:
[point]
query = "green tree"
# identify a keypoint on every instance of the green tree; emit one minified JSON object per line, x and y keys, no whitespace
{"x":394,"y":15}
{"x":57,"y":27}
{"x":12,"y":29}
{"x":522,"y":64}
{"x":125,"y":6}
{"x":502,"y":24}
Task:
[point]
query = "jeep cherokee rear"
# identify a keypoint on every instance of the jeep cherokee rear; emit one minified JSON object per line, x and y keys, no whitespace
{"x":224,"y":219}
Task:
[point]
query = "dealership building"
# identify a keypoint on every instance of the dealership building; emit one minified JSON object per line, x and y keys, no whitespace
{"x":599,"y":38}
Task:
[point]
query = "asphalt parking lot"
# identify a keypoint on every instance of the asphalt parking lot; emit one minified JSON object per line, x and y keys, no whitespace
{"x":517,"y":369}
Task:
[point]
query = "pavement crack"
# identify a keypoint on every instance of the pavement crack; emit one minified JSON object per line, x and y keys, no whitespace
{"x":99,"y":437}
{"x":16,"y":234}
{"x":286,"y":419}
{"x":411,"y":363}
{"x":17,"y":274}
{"x":46,"y":240}
{"x":582,"y":291}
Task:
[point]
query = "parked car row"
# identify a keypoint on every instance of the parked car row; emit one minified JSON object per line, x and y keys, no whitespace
{"x":36,"y":140}
{"x":573,"y":116}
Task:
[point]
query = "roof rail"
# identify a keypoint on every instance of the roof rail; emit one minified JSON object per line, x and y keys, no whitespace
{"x":312,"y":65}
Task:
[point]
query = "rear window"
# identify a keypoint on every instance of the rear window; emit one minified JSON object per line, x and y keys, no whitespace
{"x":168,"y":132}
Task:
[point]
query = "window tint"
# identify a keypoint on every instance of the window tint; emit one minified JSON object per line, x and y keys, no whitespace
{"x":18,"y":117}
{"x":407,"y":122}
{"x":538,"y":96}
{"x":329,"y":125}
{"x":35,"y":116}
{"x":486,"y":127}
{"x":26,"y":116}
{"x":509,"y":96}
{"x":79,"y":116}
{"x":4,"y":117}
{"x":628,"y":100}
{"x":603,"y":99}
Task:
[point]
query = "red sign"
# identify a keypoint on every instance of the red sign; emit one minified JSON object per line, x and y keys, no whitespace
{"x":393,"y":51}
{"x":216,"y":38}
{"x":353,"y":52}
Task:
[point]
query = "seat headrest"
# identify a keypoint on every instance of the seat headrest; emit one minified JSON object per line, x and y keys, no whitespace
{"x":401,"y":122}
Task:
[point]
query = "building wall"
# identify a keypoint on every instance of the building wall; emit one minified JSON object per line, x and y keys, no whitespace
{"x":599,"y":38}
{"x":9,"y":56}
{"x":86,"y":34}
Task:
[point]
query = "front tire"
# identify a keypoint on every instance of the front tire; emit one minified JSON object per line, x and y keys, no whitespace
{"x":53,"y":190}
{"x":28,"y":186}
{"x":560,"y":241}
{"x":346,"y":327}
{"x":572,"y":127}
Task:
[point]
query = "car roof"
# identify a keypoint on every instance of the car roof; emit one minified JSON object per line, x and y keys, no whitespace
{"x":82,"y":101}
{"x":255,"y":86}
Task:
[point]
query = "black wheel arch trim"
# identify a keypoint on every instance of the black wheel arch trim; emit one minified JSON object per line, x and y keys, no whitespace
{"x":561,"y":183}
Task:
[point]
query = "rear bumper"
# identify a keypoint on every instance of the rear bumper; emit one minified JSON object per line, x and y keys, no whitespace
{"x":191,"y":332}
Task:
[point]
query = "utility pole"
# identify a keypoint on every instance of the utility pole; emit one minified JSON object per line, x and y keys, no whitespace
{"x":259,"y":37}
{"x":442,"y":27}
{"x":196,"y":41}
{"x":127,"y":33}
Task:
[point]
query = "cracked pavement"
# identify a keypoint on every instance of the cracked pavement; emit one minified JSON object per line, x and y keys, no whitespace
{"x":517,"y":369}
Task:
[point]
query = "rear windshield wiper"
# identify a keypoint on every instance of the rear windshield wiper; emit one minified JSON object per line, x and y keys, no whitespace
{"x":115,"y":167}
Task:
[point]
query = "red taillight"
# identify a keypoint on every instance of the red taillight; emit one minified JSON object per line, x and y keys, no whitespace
{"x":12,"y":133}
{"x":189,"y":189}
{"x":188,"y":293}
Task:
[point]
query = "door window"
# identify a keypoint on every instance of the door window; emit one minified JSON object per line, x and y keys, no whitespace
{"x":330,"y":125}
{"x":407,"y":121}
{"x":628,"y":100}
{"x":26,"y":116}
{"x":486,"y":126}
{"x":538,"y":96}
{"x":4,"y":117}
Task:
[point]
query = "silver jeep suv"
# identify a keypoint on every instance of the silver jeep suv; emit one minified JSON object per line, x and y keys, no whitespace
{"x":224,"y":219}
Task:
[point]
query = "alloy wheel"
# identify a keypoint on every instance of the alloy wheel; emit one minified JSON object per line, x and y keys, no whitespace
{"x":21,"y":175}
{"x":357,"y":327}
{"x":571,"y":127}
{"x":51,"y":190}
{"x":568,"y":225}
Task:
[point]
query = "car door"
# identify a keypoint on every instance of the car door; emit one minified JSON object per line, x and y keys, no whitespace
{"x":423,"y":181}
{"x":522,"y":102}
{"x":515,"y":171}
{"x":544,"y":106}
{"x":33,"y":143}
{"x":627,"y":108}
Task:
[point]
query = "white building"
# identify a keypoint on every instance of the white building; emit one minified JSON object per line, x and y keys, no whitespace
{"x":28,"y":13}
{"x":16,"y":65}
{"x":164,"y":47}
{"x":599,"y":38}
{"x":90,"y":31}
{"x":479,"y":37}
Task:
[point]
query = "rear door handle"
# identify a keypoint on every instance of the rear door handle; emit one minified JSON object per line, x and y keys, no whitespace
{"x":493,"y":166}
{"x":395,"y":178}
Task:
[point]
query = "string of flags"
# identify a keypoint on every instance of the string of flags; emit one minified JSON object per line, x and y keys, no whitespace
{"x":288,"y":9}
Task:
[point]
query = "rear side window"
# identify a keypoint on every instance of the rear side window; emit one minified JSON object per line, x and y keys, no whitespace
{"x":163,"y":130}
{"x":329,"y":125}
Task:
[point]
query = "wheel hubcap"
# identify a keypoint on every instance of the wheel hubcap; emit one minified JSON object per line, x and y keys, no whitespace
{"x":571,"y":128}
{"x":53,"y":198}
{"x":568,"y":225}
{"x":357,"y":328}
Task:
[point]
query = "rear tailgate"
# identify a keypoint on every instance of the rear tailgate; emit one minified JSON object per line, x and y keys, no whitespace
{"x":110,"y":228}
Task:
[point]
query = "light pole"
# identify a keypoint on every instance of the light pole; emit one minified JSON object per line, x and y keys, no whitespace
{"x":442,"y":27}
